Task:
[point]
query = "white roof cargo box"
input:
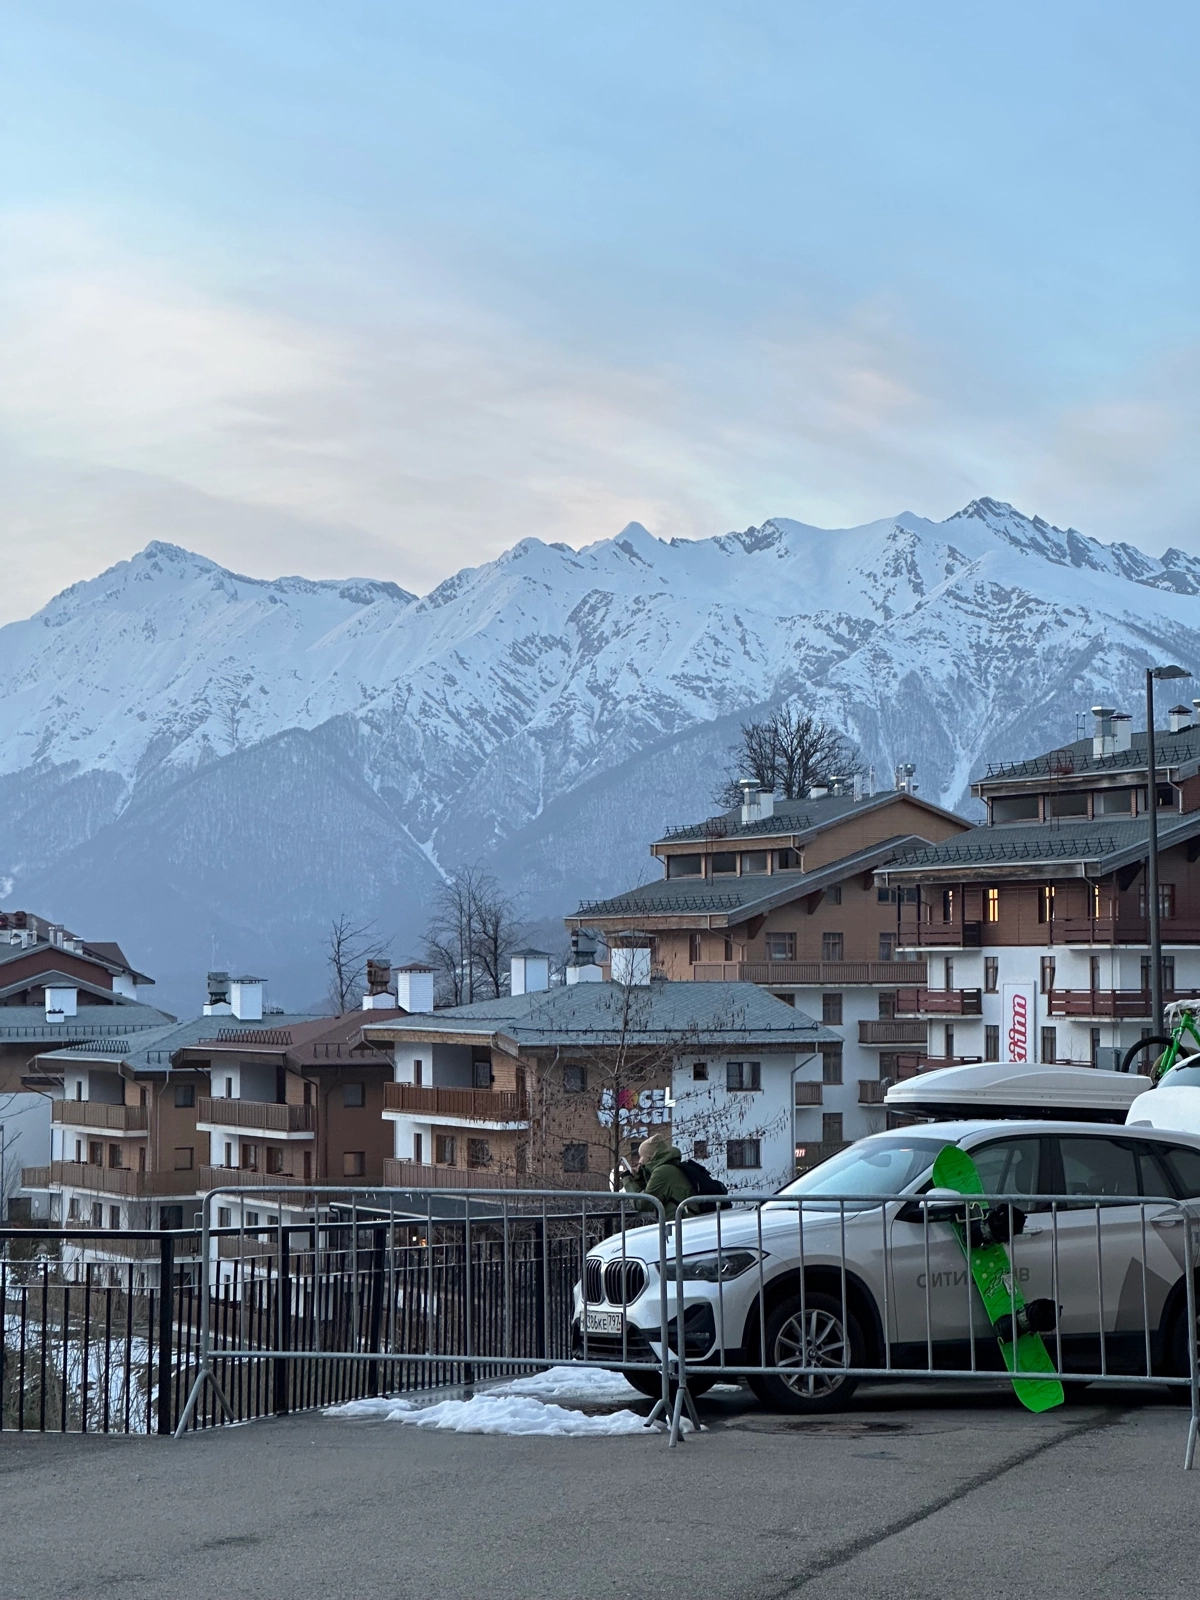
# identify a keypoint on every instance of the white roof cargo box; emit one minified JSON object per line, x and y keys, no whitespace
{"x":1006,"y":1089}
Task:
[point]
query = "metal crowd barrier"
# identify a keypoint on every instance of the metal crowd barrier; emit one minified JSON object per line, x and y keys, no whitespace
{"x":1136,"y":1313}
{"x":456,"y":1284}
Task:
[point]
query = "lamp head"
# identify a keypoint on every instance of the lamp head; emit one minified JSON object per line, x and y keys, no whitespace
{"x":1169,"y":672}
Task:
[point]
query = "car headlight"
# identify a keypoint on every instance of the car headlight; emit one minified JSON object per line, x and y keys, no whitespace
{"x":717,"y":1266}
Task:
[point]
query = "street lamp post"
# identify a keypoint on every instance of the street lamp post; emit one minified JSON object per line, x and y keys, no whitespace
{"x":1156,"y":998}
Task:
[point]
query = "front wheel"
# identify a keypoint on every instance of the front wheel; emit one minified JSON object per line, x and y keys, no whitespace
{"x":818,"y":1335}
{"x":1156,"y":1042}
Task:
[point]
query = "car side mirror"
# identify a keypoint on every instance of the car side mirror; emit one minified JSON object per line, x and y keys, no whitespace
{"x":935,"y":1205}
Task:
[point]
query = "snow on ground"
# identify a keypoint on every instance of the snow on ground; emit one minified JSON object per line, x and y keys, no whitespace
{"x":519,"y":1406}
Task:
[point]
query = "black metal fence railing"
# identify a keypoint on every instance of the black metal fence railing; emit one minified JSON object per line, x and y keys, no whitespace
{"x":102,"y":1330}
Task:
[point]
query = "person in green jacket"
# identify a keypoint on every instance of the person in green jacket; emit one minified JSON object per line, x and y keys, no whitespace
{"x":658,"y":1173}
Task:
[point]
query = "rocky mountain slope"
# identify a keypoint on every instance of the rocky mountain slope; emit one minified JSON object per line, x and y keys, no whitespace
{"x":207,"y":765}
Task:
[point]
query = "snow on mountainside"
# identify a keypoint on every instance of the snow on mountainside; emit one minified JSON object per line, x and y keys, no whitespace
{"x":195,"y":761}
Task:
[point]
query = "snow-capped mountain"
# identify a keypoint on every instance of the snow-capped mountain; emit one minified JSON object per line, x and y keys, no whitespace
{"x":207,"y":765}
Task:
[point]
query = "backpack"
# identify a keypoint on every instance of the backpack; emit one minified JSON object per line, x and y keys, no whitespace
{"x":701,"y":1179}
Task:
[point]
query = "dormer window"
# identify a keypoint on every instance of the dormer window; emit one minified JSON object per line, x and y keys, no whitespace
{"x":685,"y":866}
{"x":1069,"y":805}
{"x":1016,"y":808}
{"x":755,"y":861}
{"x":724,"y":864}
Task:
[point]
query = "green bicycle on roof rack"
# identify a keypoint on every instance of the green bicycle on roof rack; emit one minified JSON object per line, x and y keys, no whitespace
{"x":1184,"y":1017}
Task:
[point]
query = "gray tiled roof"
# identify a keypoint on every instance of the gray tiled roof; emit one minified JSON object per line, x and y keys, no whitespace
{"x":1175,"y":750}
{"x":739,"y":897}
{"x":152,"y":1051}
{"x":592,"y":1013}
{"x":28,"y":1025}
{"x":790,"y":817}
{"x":1109,"y":843}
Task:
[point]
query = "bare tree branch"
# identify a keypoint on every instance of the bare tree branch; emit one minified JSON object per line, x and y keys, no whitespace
{"x":346,"y":948}
{"x":788,"y":753}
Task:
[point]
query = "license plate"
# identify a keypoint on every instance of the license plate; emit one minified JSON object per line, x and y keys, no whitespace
{"x":603,"y":1321}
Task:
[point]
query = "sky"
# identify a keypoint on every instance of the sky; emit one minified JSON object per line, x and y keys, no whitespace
{"x":380,"y":288}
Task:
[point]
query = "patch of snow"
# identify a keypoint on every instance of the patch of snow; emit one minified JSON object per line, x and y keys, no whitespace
{"x":576,"y":1383}
{"x":514,"y":1415}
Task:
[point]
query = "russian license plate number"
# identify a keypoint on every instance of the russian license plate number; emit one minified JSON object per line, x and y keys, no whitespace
{"x":603,"y":1321}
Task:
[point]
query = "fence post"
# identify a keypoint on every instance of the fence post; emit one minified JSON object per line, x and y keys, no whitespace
{"x":166,"y":1319}
{"x":279,"y":1375}
{"x":541,"y":1286}
{"x":376,"y":1318}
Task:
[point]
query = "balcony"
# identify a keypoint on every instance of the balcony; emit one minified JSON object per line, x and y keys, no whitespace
{"x":94,"y":1114}
{"x":910,"y":1065}
{"x":811,"y":1152}
{"x":871,"y":1091}
{"x":35,"y":1177}
{"x":242,"y":1178}
{"x":810,"y":1094}
{"x":490,"y":1108}
{"x":1121,"y":930}
{"x":265,"y":1117}
{"x":939,"y":1002}
{"x":122,"y":1181}
{"x":416,"y":1175}
{"x":943,"y":935}
{"x":1114,"y":1003}
{"x":895,"y":1031}
{"x":820,"y":974}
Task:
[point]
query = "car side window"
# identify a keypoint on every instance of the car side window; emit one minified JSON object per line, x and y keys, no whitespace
{"x":1093,"y":1166}
{"x":1184,"y":1166}
{"x":1010,"y":1166}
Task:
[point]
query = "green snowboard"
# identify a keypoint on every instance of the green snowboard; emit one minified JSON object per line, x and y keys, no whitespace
{"x":1002,"y":1298}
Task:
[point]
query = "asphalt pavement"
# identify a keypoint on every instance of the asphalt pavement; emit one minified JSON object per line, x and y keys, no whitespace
{"x":939,"y":1494}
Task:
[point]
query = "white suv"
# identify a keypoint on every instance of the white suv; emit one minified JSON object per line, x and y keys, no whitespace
{"x":914,"y":1272}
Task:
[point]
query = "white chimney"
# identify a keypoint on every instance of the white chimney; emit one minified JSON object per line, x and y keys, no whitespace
{"x":756,"y":805}
{"x":1179,"y":718}
{"x":414,"y":987}
{"x":1104,"y":740}
{"x":61,"y":1003}
{"x":1122,"y":726}
{"x":246,"y":998}
{"x":530,"y":972}
{"x":583,"y":966}
{"x":631,"y":964}
{"x":903,"y":778}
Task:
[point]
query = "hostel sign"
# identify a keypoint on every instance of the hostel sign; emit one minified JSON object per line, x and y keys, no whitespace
{"x":635,"y":1110}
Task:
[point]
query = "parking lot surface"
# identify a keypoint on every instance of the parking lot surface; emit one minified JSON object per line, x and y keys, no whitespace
{"x":912,"y":1492}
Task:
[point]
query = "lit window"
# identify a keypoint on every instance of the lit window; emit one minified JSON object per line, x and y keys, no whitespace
{"x":993,"y":905}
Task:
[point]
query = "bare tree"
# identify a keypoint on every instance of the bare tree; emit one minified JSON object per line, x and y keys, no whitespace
{"x":472,"y":933}
{"x":496,"y":933}
{"x":788,"y":753}
{"x":346,"y":948}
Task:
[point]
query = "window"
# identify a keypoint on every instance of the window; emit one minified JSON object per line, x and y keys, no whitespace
{"x":73,"y":1210}
{"x":142,"y":1097}
{"x":728,"y":955}
{"x":1046,"y":903}
{"x":833,"y":946}
{"x":741,"y":1154}
{"x":755,"y":860}
{"x":79,"y":1088}
{"x":575,"y":1158}
{"x":354,"y":1163}
{"x":1093,"y":1166}
{"x":699,"y":1071}
{"x":948,"y":1041}
{"x":444,"y":1150}
{"x":887,"y":1004}
{"x":274,"y":1160}
{"x":575,"y":1078}
{"x":79,"y":1151}
{"x":947,"y":905}
{"x":947,"y":972}
{"x":685,"y":866}
{"x":695,"y":948}
{"x":781,"y":947}
{"x":250,"y":1218}
{"x":886,"y":896}
{"x":1015,"y":808}
{"x":97,"y":1214}
{"x":831,"y":1010}
{"x":1166,"y":899}
{"x":249,"y":1158}
{"x":831,"y":1063}
{"x":229,"y":1088}
{"x":184,"y":1157}
{"x":479,"y":1154}
{"x":1047,"y":974}
{"x":991,"y":902}
{"x":481,"y":1073}
{"x":991,"y":1042}
{"x":831,"y":1127}
{"x":228,"y":1153}
{"x":700,"y":1149}
{"x":742,"y":1075}
{"x":833,"y":897}
{"x":354,"y":1094}
{"x":1111,"y":802}
{"x":789,"y":861}
{"x":1094,"y":973}
{"x":788,"y":999}
{"x":224,"y":1217}
{"x":114,"y":1155}
{"x":114,"y":1216}
{"x":991,"y":974}
{"x":1184,"y":1166}
{"x":141,"y":1158}
{"x":95,"y":1153}
{"x":1010,"y":1166}
{"x":1094,"y":1046}
{"x":1068,"y":805}
{"x":418,"y":1073}
{"x":1049,"y":1046}
{"x":724,"y":863}
{"x":170,"y":1216}
{"x":185,"y":1095}
{"x":887,"y":947}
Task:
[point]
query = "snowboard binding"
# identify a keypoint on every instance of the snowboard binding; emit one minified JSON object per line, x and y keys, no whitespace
{"x":998,"y":1225}
{"x":1038,"y":1316}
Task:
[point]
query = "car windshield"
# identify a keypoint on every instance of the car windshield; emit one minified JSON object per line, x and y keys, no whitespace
{"x":883,"y":1167}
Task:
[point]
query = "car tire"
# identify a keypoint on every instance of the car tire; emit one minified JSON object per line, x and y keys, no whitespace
{"x":650,"y":1384}
{"x":826,"y":1336}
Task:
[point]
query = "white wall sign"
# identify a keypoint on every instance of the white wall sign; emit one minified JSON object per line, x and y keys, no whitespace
{"x":1016,"y":1024}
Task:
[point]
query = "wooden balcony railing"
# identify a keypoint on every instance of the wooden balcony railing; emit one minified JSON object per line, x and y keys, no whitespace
{"x":123,"y":1181}
{"x":417,"y":1175}
{"x":908,"y":1065}
{"x":939,"y":1002}
{"x":241,"y":1177}
{"x":95,"y":1114}
{"x":264,"y":1115}
{"x":482,"y":1105}
{"x":35,"y":1177}
{"x":896,"y":1031}
{"x":871,"y":1092}
{"x":1116,"y":1003}
{"x":957,"y":935}
{"x":810,"y":1094}
{"x":823,"y":974}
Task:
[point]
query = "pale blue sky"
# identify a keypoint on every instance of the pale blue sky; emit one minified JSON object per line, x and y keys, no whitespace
{"x":384,"y":287}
